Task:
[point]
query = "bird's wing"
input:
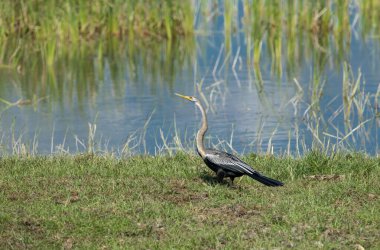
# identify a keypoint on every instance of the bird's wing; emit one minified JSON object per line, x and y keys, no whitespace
{"x":228,"y":162}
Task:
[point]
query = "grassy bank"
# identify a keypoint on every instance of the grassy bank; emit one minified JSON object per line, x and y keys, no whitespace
{"x":159,"y":202}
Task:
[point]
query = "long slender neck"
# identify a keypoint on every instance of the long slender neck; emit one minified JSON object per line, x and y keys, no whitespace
{"x":201,"y":131}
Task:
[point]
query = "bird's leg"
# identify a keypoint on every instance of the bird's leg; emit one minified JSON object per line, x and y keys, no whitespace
{"x":232,"y":185}
{"x":220,"y":174}
{"x":232,"y":180}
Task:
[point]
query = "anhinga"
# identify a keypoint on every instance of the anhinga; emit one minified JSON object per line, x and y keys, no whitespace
{"x":222,"y":163}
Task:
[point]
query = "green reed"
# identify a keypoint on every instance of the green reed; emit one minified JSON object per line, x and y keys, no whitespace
{"x":72,"y":21}
{"x":49,"y":27}
{"x":289,"y":29}
{"x":295,"y":31}
{"x":370,"y":15}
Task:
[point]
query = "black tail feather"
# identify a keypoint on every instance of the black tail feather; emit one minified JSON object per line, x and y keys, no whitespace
{"x":266,"y":180}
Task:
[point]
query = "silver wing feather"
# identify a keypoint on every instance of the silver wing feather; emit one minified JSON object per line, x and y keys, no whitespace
{"x":228,"y":162}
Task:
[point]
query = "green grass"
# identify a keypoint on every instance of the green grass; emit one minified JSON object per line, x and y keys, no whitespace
{"x":163,"y":202}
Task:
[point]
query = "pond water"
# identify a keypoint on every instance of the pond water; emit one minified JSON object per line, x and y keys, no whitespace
{"x":123,"y":101}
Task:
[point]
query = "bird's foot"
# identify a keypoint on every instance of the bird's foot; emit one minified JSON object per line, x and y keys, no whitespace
{"x":232,"y":185}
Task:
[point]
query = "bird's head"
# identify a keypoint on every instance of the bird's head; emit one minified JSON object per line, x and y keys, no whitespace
{"x":189,"y":98}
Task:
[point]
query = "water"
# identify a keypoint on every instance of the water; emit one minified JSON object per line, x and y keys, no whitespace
{"x":129,"y":97}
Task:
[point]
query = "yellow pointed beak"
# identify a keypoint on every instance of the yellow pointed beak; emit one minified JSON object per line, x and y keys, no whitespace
{"x":184,"y":96}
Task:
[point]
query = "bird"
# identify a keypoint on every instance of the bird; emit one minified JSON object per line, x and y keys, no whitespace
{"x":222,"y":163}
